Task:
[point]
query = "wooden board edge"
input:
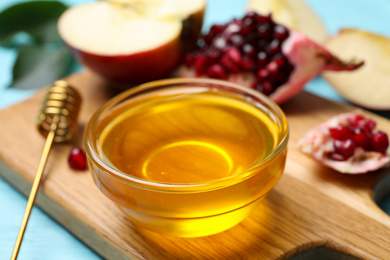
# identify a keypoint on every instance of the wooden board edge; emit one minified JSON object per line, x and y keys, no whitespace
{"x":63,"y":217}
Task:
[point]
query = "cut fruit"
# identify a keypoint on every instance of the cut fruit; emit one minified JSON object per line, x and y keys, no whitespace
{"x":294,"y":14}
{"x":132,"y":41}
{"x":348,"y":143}
{"x":369,"y":86}
{"x":256,"y":52}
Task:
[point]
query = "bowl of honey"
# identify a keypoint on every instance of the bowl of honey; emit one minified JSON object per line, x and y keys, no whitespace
{"x":187,"y":157}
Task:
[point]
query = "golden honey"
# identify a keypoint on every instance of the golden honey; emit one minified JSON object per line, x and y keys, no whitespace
{"x":188,"y":163}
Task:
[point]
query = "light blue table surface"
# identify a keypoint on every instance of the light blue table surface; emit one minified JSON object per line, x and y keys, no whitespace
{"x":46,"y":239}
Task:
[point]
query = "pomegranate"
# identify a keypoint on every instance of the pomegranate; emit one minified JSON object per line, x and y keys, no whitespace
{"x":348,"y":143}
{"x":257,"y":52}
{"x":77,"y":159}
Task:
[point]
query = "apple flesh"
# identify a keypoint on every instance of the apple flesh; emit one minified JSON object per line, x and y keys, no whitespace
{"x":129,"y":42}
{"x":369,"y":86}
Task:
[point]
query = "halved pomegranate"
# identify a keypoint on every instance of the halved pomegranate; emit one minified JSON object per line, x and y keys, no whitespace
{"x":349,"y":143}
{"x":257,"y":52}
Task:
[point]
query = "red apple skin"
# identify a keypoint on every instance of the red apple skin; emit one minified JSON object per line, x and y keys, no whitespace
{"x":134,"y":68}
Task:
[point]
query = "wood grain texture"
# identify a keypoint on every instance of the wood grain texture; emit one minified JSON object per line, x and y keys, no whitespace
{"x":312,"y":206}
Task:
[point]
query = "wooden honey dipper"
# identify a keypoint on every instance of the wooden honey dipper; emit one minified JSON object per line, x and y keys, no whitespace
{"x":57,"y":122}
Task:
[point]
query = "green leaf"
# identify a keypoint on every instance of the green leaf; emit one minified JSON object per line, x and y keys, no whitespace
{"x":37,"y":18}
{"x":36,"y":67}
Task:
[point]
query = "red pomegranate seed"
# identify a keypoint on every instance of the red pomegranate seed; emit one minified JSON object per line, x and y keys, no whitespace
{"x":262,"y":59}
{"x":280,"y":32}
{"x":267,"y":88}
{"x":200,"y":65}
{"x":247,"y":64}
{"x":216,"y":71}
{"x":262,"y":74}
{"x":274,"y":47}
{"x":77,"y":159}
{"x":231,"y":59}
{"x":246,"y":28}
{"x":252,"y":16}
{"x":212,"y":56}
{"x":370,"y":124}
{"x":379,"y":142}
{"x":249,"y":50}
{"x":219,"y":43}
{"x":236,"y":40}
{"x":344,"y":148}
{"x":361,"y":138}
{"x":273,"y":68}
{"x":355,"y":120}
{"x":233,"y":27}
{"x":264,"y":31}
{"x":280,"y":61}
{"x":341,"y":133}
{"x":215,"y":30}
{"x":264,"y":19}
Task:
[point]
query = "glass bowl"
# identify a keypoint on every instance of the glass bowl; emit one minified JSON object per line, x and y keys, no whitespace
{"x":187,"y":157}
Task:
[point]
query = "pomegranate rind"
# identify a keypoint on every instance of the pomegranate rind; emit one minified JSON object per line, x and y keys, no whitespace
{"x":317,"y":143}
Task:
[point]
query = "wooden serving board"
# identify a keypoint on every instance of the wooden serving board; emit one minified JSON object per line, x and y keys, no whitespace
{"x":312,"y":207}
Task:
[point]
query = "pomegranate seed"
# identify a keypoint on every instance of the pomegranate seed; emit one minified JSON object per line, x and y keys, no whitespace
{"x":379,"y":142}
{"x":233,"y":27}
{"x":267,"y":88}
{"x":355,"y":120}
{"x":77,"y":159}
{"x":262,"y":58}
{"x":216,"y":29}
{"x":344,"y":148}
{"x":273,"y":68}
{"x":264,"y":31}
{"x":262,"y":74}
{"x":249,"y":50}
{"x":280,"y":60}
{"x":246,"y":28}
{"x":236,"y":40}
{"x":219,"y":43}
{"x":341,"y":133}
{"x":370,"y":124}
{"x":361,"y":138}
{"x":264,"y":19}
{"x":200,"y":65}
{"x":247,"y":64}
{"x":274,"y":47}
{"x":231,"y":59}
{"x":212,"y":56}
{"x":216,"y":71}
{"x":280,"y":32}
{"x":253,"y":16}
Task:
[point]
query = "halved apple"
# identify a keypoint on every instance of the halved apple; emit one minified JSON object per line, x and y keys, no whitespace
{"x":368,"y":86}
{"x":132,"y":41}
{"x":294,"y":14}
